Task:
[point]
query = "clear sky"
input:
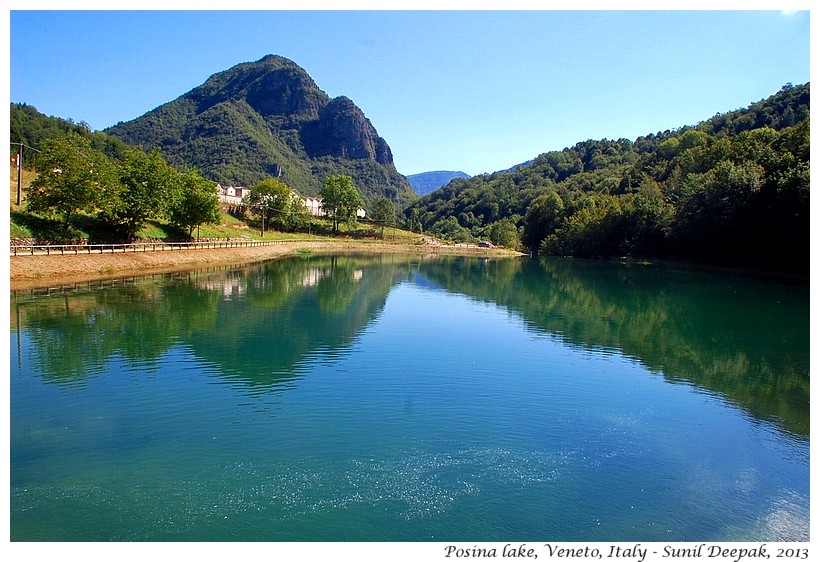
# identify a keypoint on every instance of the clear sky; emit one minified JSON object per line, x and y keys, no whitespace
{"x":475,"y":91}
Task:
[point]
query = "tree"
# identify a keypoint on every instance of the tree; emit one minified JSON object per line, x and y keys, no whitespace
{"x":149,"y":188}
{"x":594,"y":230}
{"x":692,"y":138}
{"x":72,"y":177}
{"x":384,"y":213}
{"x":504,"y":233}
{"x":544,"y":215}
{"x":197,"y":204}
{"x":413,"y":221}
{"x":450,"y":229}
{"x":340,"y":200}
{"x":298,"y":215}
{"x":669,"y":148}
{"x":270,"y":199}
{"x":646,"y":219}
{"x":716,"y":218}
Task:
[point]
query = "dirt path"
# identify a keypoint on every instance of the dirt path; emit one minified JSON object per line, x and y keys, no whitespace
{"x":47,"y":271}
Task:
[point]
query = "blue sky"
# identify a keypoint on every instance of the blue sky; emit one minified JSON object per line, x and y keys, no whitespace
{"x":474,"y":91}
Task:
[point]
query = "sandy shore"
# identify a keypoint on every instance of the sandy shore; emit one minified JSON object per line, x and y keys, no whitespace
{"x":54,"y":270}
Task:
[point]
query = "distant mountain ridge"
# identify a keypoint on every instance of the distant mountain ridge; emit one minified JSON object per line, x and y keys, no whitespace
{"x":427,"y":182}
{"x":269,"y":118}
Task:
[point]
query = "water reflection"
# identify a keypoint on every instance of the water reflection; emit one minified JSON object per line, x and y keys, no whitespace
{"x":254,"y":324}
{"x":745,"y":340}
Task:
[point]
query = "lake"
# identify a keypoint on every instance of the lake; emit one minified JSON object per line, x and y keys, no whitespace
{"x":391,"y":398}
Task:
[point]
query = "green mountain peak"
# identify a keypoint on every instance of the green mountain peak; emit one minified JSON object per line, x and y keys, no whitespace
{"x":259,"y":119}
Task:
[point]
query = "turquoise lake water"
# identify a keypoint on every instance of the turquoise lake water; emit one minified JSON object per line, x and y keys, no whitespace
{"x":390,"y":398}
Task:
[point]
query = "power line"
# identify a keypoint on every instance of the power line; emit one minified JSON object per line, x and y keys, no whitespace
{"x":24,"y":144}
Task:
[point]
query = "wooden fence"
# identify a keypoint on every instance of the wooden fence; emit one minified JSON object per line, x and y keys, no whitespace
{"x":77,"y":249}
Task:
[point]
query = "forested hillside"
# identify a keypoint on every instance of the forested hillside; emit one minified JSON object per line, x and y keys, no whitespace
{"x":29,"y":126}
{"x":269,"y":119}
{"x":732,"y":190}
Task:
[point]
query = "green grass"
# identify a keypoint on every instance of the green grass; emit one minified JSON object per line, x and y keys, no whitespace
{"x":17,"y":231}
{"x":26,"y":177}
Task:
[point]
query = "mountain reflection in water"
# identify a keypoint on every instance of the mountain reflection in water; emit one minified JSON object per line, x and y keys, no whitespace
{"x":744,"y":339}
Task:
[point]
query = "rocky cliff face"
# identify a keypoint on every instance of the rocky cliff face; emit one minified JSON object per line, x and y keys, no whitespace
{"x":257,"y":117}
{"x":343,"y":131}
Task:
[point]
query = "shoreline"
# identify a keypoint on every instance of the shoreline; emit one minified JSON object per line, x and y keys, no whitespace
{"x":31,"y":272}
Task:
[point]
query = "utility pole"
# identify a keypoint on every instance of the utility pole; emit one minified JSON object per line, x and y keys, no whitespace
{"x":20,"y":171}
{"x":264,"y":205}
{"x":19,"y":174}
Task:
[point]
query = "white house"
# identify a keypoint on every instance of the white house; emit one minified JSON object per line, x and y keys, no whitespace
{"x":314,"y":205}
{"x":232,"y":195}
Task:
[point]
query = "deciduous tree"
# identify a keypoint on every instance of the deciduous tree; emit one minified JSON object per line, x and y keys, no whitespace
{"x":340,"y":200}
{"x":543,"y":216}
{"x":504,"y":233}
{"x":149,"y":188}
{"x":270,"y":199}
{"x":383,"y":213}
{"x":197,"y":203}
{"x":72,"y":177}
